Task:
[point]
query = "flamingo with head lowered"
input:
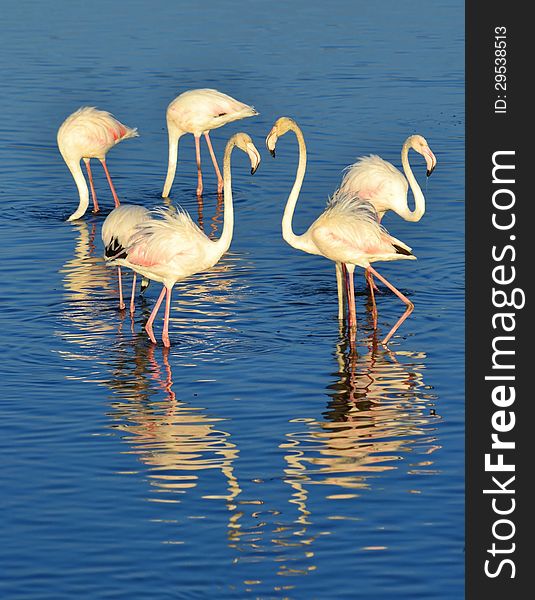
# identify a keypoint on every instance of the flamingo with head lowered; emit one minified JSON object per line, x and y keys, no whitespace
{"x":117,"y":230}
{"x":348,"y":232}
{"x":90,"y":133}
{"x":170,"y":247}
{"x":198,"y":112}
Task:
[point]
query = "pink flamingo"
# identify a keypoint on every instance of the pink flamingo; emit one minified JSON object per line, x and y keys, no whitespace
{"x":116,"y":233}
{"x":171,"y":247}
{"x":386,"y":188}
{"x":348,"y":232}
{"x":197,"y":112}
{"x":90,"y":133}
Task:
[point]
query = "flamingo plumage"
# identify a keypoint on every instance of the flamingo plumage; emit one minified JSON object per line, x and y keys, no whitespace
{"x":198,"y":112}
{"x":90,"y":133}
{"x":170,"y":247}
{"x":348,"y":232}
{"x":116,"y":234}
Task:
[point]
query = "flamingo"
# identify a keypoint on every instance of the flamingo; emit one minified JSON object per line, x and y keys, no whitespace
{"x":90,"y":133}
{"x":117,"y":230}
{"x":170,"y":247}
{"x":383,"y":185}
{"x":378,"y":181}
{"x":197,"y":112}
{"x":348,"y":232}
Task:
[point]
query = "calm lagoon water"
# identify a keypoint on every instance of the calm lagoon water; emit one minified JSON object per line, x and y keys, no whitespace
{"x":257,"y":457}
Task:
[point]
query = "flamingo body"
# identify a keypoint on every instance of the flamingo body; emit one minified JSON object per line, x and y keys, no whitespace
{"x":169,"y":247}
{"x":89,"y":133}
{"x":378,"y":181}
{"x":201,"y":110}
{"x":198,"y":112}
{"x":119,"y":226}
{"x":348,"y":232}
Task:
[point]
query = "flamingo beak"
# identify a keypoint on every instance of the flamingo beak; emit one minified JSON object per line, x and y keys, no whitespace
{"x":430,"y":160}
{"x":254,"y":156}
{"x":271,"y":142}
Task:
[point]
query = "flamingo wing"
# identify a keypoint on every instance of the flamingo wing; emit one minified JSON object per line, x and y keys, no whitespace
{"x":349,"y":227}
{"x":160,"y":240}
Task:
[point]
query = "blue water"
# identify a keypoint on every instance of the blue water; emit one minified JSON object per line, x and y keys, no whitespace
{"x":257,"y":457}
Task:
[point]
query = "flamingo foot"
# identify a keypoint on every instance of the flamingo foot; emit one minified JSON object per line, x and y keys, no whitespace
{"x":150,"y":333}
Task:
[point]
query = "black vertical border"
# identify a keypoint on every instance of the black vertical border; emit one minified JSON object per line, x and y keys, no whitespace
{"x":488,"y":132}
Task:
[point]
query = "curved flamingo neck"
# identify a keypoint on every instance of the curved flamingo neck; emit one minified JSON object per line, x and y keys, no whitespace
{"x":223,"y":243}
{"x":83,"y":191}
{"x":419,"y":199}
{"x":287,"y":232}
{"x":174,"y":136}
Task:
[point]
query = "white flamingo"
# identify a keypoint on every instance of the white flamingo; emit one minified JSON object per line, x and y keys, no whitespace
{"x":170,"y":246}
{"x":117,"y":230}
{"x":381,"y":183}
{"x":348,"y":232}
{"x":90,"y":133}
{"x":198,"y":112}
{"x":378,"y":181}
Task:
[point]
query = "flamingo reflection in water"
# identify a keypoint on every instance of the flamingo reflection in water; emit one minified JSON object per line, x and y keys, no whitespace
{"x":378,"y":415}
{"x":87,"y":284}
{"x":174,"y":440}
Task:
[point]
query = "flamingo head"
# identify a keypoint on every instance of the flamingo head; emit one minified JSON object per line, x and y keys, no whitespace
{"x":281,"y":126}
{"x":420,"y":145}
{"x":245,"y":143}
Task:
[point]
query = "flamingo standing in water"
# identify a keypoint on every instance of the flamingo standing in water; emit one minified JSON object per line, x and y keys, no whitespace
{"x":197,"y":112}
{"x":90,"y":133}
{"x":117,"y":230}
{"x":383,"y":185}
{"x":170,"y":247}
{"x":348,"y":232}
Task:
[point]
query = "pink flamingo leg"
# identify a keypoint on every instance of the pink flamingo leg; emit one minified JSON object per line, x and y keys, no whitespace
{"x":93,"y":194}
{"x":404,"y":299}
{"x":148,"y":326}
{"x":121,"y":301}
{"x":132,"y":306}
{"x":116,"y":199}
{"x":369,"y":279}
{"x":165,"y":332}
{"x":214,"y":160}
{"x":198,"y":157}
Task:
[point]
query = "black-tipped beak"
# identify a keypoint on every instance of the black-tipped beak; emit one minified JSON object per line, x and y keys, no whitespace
{"x":253,"y":170}
{"x":429,"y":171}
{"x":272,"y":152}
